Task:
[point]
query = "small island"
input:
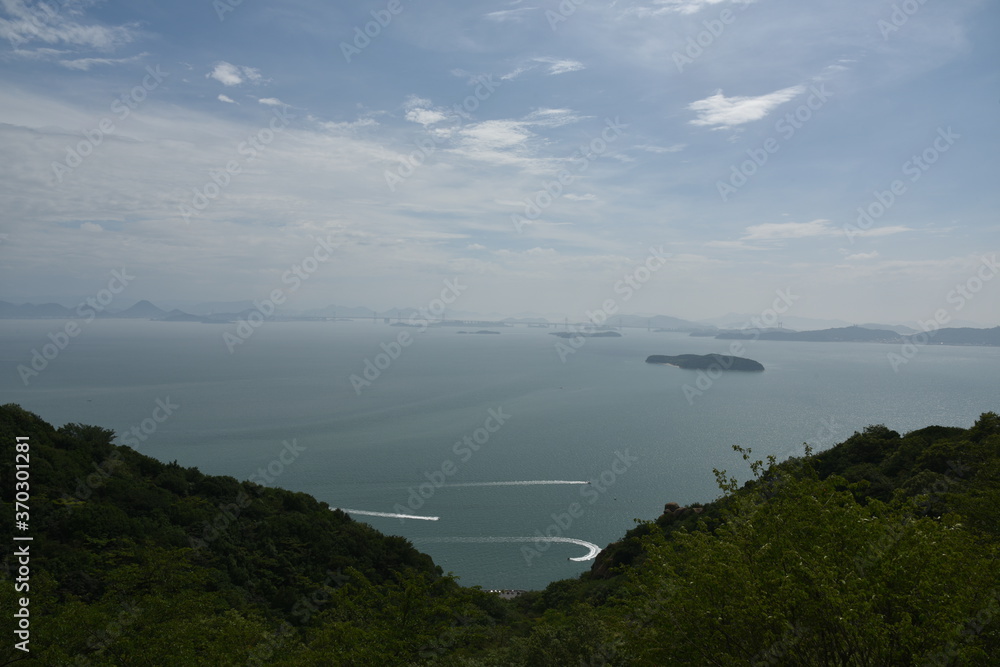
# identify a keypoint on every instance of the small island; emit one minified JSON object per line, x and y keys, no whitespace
{"x":706,"y":361}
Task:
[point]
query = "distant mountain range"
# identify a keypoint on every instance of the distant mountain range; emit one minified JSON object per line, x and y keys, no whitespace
{"x":858,"y":334}
{"x":221,"y":312}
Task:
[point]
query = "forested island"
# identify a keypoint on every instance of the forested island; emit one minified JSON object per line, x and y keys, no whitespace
{"x":879,"y":551}
{"x":706,"y":361}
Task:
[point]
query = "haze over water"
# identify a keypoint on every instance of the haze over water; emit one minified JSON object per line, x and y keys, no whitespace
{"x":604,"y":416}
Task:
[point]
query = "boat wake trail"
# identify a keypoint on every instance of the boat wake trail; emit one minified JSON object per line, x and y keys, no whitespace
{"x":527,"y":482}
{"x":389,"y":515}
{"x":590,"y":555}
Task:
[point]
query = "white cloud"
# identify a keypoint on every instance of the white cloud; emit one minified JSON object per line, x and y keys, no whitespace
{"x":347,"y":126}
{"x":233,"y":75}
{"x":862,"y":255}
{"x":560,"y":66}
{"x":84,"y":64}
{"x":726,"y":112}
{"x":791,"y":230}
{"x":676,"y":148}
{"x":586,"y":197}
{"x":91,"y":227}
{"x":496,"y":134}
{"x":551,"y":117}
{"x":513,"y":74}
{"x":272,"y":102}
{"x":884,"y":231}
{"x":227,"y":99}
{"x":659,"y":7}
{"x":513,"y":15}
{"x":425,"y":117}
{"x":39,"y":22}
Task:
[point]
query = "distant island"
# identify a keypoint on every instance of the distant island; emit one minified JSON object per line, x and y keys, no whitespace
{"x":580,"y":334}
{"x":858,"y":334}
{"x":705,"y":361}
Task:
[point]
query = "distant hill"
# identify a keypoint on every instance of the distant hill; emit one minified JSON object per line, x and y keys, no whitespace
{"x":742,"y":320}
{"x":960,"y":336}
{"x":898,"y":328}
{"x":856,"y":334}
{"x":32,"y":311}
{"x":143,"y":309}
{"x":839,"y":335}
{"x":580,"y":334}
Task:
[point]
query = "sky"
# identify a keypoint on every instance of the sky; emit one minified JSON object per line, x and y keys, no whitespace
{"x":682,"y":157}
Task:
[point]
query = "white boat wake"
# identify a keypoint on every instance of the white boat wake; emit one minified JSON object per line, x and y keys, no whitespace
{"x":527,"y":482}
{"x":389,"y":515}
{"x":590,"y":555}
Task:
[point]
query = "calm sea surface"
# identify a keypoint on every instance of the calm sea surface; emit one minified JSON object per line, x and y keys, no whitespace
{"x":603,"y":416}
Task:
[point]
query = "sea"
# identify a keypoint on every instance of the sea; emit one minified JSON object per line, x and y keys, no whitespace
{"x":517,"y":455}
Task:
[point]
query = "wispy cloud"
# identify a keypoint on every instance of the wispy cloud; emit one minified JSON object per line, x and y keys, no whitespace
{"x":233,"y":75}
{"x":770,"y":231}
{"x":84,"y":64}
{"x":510,"y":15}
{"x":41,"y":22}
{"x":227,"y":99}
{"x":560,"y":65}
{"x":884,"y":231}
{"x":676,"y":148}
{"x":721,"y":112}
{"x":659,"y":7}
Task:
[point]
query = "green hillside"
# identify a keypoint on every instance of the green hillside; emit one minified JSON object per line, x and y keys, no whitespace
{"x":879,"y":551}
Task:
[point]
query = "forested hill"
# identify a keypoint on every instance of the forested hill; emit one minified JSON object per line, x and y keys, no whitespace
{"x":879,"y":551}
{"x":140,"y":562}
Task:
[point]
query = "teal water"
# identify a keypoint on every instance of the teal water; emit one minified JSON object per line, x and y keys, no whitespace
{"x":575,"y":421}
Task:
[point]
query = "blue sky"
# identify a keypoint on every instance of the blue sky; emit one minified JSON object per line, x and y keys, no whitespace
{"x":222,"y":140}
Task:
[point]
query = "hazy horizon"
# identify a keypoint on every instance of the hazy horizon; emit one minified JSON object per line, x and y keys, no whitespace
{"x":731,"y":319}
